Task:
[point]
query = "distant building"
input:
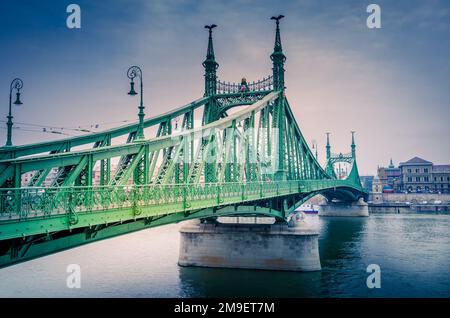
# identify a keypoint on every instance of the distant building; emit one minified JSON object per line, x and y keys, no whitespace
{"x":367,"y":182}
{"x":26,"y":178}
{"x":441,"y":178}
{"x":377,"y":186}
{"x":390,"y":177}
{"x":417,"y":175}
{"x":96,"y":176}
{"x":377,"y":189}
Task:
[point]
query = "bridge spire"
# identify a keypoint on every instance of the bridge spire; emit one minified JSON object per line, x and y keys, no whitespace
{"x":210,"y":65}
{"x":278,"y":58}
{"x":328,"y":147}
{"x":353,"y":145}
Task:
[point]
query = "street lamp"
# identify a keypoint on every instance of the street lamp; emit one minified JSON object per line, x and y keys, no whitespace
{"x":16,"y":84}
{"x":132,"y":73}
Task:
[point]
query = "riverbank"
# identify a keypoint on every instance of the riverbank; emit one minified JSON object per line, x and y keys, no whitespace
{"x":404,"y":208}
{"x":409,"y":197}
{"x":409,"y":203}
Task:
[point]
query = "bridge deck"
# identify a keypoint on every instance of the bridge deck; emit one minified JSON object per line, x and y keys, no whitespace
{"x":54,"y":209}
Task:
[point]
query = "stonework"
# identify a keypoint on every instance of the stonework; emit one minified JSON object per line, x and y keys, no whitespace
{"x":359,"y":208}
{"x":292,"y":247}
{"x":409,"y":197}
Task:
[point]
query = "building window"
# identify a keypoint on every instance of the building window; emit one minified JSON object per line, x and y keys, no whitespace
{"x":442,"y":178}
{"x":425,"y":179}
{"x":417,"y":170}
{"x":409,"y":179}
{"x":417,"y":179}
{"x":435,"y":179}
{"x":448,"y":178}
{"x":409,"y":170}
{"x":425,"y":170}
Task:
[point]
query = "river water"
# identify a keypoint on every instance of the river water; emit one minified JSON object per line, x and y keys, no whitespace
{"x":413,"y":252}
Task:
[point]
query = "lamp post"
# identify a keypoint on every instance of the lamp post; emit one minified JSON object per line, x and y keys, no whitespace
{"x":132,"y":73}
{"x":16,"y":84}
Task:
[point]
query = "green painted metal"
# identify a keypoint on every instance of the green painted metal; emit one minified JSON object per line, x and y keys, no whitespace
{"x":39,"y":210}
{"x":132,"y":73}
{"x":67,"y":143}
{"x":16,"y":84}
{"x":37,"y":246}
{"x":254,"y":156}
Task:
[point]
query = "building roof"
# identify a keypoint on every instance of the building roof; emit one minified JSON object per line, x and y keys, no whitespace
{"x":415,"y":161}
{"x":441,"y":168}
{"x":396,"y":172}
{"x":391,"y":164}
{"x":392,"y":170}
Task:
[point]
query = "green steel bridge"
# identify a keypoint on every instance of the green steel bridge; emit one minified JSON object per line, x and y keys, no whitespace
{"x":246,"y":156}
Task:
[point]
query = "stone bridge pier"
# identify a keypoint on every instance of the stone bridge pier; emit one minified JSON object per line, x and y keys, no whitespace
{"x":330,"y":208}
{"x":237,"y":243}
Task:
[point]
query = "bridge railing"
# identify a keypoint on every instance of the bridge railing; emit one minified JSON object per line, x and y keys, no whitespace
{"x":24,"y":203}
{"x":265,"y":84}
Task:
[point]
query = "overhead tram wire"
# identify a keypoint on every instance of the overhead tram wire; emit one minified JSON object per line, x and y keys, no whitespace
{"x":108,"y":123}
{"x":40,"y":131}
{"x":59,"y":129}
{"x":49,"y":127}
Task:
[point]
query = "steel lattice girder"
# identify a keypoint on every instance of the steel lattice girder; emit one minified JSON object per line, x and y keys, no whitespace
{"x":31,"y":149}
{"x":7,"y":167}
{"x":67,"y":143}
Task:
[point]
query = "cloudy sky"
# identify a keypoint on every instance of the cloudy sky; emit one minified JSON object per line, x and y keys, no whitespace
{"x":390,"y":85}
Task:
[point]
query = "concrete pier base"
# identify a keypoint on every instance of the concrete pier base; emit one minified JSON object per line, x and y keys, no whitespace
{"x":359,"y":208}
{"x":290,"y":247}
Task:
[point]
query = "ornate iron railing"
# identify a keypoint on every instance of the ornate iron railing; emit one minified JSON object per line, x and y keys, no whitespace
{"x":25,"y":203}
{"x":341,"y":155}
{"x":265,"y":84}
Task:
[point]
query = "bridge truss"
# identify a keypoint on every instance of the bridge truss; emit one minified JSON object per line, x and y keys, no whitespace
{"x":251,"y":160}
